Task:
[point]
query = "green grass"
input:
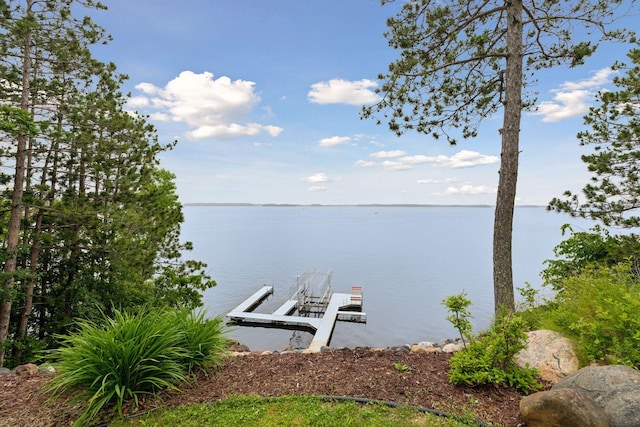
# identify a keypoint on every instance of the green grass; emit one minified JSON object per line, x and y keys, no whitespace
{"x":288,"y":411}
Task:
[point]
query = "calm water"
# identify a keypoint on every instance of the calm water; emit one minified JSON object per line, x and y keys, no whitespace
{"x":407,"y":259}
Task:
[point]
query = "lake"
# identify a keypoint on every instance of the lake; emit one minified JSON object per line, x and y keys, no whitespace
{"x":407,"y":259}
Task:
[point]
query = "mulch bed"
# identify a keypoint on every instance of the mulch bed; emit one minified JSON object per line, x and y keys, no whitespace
{"x":362,"y":373}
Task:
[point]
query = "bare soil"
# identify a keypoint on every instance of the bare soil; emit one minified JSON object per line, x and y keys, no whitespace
{"x":363,"y":373}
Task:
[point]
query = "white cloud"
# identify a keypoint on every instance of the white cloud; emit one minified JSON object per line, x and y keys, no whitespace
{"x":395,"y":166}
{"x":334,"y":140}
{"x":462,"y":159}
{"x":435,"y":181}
{"x":216,"y":108}
{"x":465,"y":159}
{"x":600,"y":78}
{"x":417,"y":159}
{"x":572,"y":98}
{"x":365,"y":164}
{"x":317,"y":178}
{"x":338,"y":91}
{"x":147,"y":88}
{"x":232,"y":131}
{"x":138,"y":102}
{"x":387,"y":154}
{"x":469,"y":189}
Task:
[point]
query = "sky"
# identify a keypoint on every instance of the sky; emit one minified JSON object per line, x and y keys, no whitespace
{"x":264,"y":99}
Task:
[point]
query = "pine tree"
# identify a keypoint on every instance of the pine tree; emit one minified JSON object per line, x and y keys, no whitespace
{"x":463,"y":61}
{"x":613,"y":194}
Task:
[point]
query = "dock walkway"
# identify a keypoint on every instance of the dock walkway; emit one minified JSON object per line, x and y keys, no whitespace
{"x":341,"y":306}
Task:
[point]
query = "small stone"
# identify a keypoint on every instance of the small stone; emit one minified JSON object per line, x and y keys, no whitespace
{"x":401,"y":348}
{"x":26,"y":370}
{"x":561,"y":408}
{"x":4,"y":371}
{"x":426,"y":344}
{"x":240,"y":348}
{"x":445,"y":342}
{"x":266,"y":352}
{"x":452,"y":348}
{"x":416,"y":348}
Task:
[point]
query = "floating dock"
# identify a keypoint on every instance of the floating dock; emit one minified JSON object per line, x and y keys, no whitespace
{"x":311,"y":305}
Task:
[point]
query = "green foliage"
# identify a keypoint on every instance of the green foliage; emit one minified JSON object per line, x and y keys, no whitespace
{"x":612,"y":195}
{"x":400,"y":367}
{"x":202,"y":338}
{"x":459,"y":315}
{"x":489,"y":359}
{"x":99,"y":219}
{"x":598,"y":309}
{"x":586,"y":249}
{"x":16,"y":121}
{"x":533,"y":311}
{"x":133,"y":354}
{"x":450,"y":71}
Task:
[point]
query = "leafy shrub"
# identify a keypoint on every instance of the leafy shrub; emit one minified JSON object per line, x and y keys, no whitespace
{"x":459,"y":315}
{"x":584,"y":250}
{"x":131,"y":355}
{"x":489,"y":359}
{"x":599,"y":309}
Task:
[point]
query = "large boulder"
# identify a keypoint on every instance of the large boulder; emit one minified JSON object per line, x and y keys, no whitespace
{"x":563,"y":407}
{"x":597,"y":381}
{"x":592,"y":396}
{"x":622,"y":406}
{"x":549,"y":352}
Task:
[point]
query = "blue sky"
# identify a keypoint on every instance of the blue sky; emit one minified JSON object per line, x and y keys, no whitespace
{"x":264,"y":99}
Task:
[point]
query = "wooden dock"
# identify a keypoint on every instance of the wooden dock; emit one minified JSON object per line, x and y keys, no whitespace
{"x":340,"y":306}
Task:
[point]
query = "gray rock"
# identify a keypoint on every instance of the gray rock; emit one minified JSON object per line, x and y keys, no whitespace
{"x":550,"y":353}
{"x":622,"y":406}
{"x":597,"y":381}
{"x":401,"y":348}
{"x":239,"y":348}
{"x":426,"y":344}
{"x":5,"y":371}
{"x":564,"y":407}
{"x":26,"y":370}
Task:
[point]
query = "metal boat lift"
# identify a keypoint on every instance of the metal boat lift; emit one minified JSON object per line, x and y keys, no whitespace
{"x":311,"y":305}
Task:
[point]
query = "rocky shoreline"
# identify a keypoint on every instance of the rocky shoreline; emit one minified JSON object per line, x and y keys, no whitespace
{"x":444,"y":346}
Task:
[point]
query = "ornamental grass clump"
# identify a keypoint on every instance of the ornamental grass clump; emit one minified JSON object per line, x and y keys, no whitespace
{"x":203,"y":339}
{"x":129,"y":355}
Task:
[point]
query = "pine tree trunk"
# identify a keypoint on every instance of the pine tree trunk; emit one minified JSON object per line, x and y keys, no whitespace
{"x":13,"y":235}
{"x":503,"y":225}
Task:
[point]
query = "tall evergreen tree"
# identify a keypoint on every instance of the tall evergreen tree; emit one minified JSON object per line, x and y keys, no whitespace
{"x":462,"y":61}
{"x":613,"y":194}
{"x":93,"y":221}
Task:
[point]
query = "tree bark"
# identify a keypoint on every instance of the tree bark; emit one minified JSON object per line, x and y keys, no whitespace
{"x":13,"y":234}
{"x":507,"y":181}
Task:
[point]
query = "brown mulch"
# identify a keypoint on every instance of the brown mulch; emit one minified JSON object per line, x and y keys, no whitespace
{"x":363,"y":373}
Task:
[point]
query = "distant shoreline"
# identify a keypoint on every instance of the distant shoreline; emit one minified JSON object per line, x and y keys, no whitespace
{"x":366,"y":205}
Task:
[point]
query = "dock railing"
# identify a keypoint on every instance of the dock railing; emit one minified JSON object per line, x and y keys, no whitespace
{"x":313,"y":291}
